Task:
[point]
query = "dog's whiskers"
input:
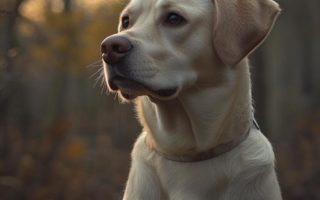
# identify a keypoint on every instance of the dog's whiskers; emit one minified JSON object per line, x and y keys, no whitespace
{"x":103,"y":85}
{"x":97,"y":72}
{"x":98,"y":76}
{"x":97,"y":63}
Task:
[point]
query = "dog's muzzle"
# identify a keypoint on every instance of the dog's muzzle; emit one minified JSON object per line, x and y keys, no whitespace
{"x":130,"y":88}
{"x":114,"y":50}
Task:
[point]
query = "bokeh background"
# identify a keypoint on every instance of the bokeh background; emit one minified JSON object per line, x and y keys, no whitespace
{"x":62,"y":136}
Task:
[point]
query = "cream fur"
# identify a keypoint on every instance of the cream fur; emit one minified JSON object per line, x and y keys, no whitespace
{"x":212,"y":105}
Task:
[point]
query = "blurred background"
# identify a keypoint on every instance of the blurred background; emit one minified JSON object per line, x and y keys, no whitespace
{"x":62,"y":136}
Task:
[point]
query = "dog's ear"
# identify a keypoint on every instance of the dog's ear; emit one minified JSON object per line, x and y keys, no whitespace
{"x":240,"y":26}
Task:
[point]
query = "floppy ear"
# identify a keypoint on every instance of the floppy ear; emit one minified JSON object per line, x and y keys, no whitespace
{"x":241,"y":26}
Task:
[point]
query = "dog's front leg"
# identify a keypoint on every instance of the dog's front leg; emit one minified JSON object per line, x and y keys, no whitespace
{"x":262,"y":186}
{"x":143,"y":183}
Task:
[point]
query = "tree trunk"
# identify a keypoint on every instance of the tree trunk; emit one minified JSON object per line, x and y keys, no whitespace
{"x":8,"y":79}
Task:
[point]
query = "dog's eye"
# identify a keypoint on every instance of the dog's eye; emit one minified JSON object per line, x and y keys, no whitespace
{"x":125,"y":22}
{"x":174,"y":19}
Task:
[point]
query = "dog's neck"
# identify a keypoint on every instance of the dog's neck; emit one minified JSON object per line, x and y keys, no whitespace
{"x":199,"y":119}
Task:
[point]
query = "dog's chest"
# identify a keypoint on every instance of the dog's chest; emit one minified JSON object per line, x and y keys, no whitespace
{"x":202,"y":181}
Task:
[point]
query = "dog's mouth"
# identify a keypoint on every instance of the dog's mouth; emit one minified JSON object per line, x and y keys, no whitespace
{"x":119,"y":80}
{"x":131,"y":89}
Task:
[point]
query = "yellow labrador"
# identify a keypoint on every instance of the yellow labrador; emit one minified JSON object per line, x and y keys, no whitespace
{"x":184,"y":64}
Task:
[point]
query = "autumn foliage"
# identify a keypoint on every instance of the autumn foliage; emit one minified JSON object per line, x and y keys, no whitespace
{"x":62,"y":136}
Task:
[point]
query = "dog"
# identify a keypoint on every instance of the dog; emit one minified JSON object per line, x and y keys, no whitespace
{"x":184,"y":64}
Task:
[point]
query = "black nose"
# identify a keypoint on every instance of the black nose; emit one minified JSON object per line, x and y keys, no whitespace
{"x":114,"y":48}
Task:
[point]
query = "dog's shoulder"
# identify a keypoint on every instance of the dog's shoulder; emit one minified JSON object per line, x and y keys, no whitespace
{"x":257,"y":149}
{"x":254,"y":156}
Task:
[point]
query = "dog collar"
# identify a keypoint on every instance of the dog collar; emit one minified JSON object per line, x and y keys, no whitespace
{"x":211,"y":153}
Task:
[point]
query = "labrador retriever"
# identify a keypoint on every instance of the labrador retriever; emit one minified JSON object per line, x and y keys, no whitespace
{"x":184,"y":64}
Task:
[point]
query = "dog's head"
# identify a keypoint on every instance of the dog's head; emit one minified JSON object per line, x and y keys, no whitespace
{"x":165,"y":46}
